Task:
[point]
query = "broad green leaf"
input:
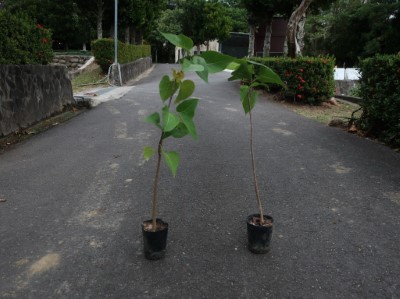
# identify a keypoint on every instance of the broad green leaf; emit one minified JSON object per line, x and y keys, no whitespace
{"x":243,"y":72}
{"x":249,"y":101}
{"x":172,"y":160}
{"x":166,"y":88}
{"x":154,"y":118}
{"x":244,"y":91}
{"x":180,"y":131}
{"x":179,"y":40}
{"x":148,"y":152}
{"x":188,"y":66}
{"x":186,"y":89}
{"x":188,"y":107}
{"x":170,"y":121}
{"x":216,"y":62}
{"x":186,"y":111}
{"x":266,"y":75}
{"x":188,"y":121}
{"x":203,"y":74}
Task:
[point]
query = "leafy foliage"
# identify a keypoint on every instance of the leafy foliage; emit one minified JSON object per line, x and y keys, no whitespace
{"x":23,"y":41}
{"x":103,"y":51}
{"x":380,"y":91}
{"x":374,"y":25}
{"x":309,"y":80}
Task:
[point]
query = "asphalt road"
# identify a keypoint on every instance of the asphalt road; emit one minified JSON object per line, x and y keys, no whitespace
{"x":76,"y":196}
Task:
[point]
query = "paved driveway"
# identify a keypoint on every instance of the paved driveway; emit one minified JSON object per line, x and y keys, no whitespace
{"x":77,"y":194}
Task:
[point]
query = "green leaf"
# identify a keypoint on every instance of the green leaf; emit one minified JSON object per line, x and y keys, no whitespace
{"x":179,"y":131}
{"x":179,"y":40}
{"x":148,"y":152}
{"x":191,"y":127}
{"x":186,"y":111}
{"x":166,"y":88}
{"x":172,"y":160}
{"x":186,"y":90}
{"x":203,"y":74}
{"x":188,"y":107}
{"x":154,"y":118}
{"x":216,"y":62}
{"x":243,"y":72}
{"x":266,"y":75}
{"x":244,"y":91}
{"x":248,"y":98}
{"x":188,"y":66}
{"x":170,"y":121}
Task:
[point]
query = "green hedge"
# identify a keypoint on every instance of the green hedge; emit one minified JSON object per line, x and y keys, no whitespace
{"x":309,"y":79}
{"x":103,"y":51}
{"x":380,"y":91}
{"x":22,"y":41}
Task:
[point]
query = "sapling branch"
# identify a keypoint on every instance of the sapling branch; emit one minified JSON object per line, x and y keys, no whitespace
{"x":260,"y":207}
{"x":157,"y":175}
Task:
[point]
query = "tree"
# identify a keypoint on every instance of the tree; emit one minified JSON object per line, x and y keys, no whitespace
{"x":216,"y":24}
{"x":203,"y":21}
{"x":374,"y":25}
{"x":292,"y":27}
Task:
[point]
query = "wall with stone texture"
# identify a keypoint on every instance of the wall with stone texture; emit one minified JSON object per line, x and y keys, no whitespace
{"x":72,"y":62}
{"x":30,"y":93}
{"x":133,"y":69}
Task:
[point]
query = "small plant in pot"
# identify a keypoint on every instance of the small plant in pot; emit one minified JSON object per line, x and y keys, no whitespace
{"x":175,"y":120}
{"x":252,"y":76}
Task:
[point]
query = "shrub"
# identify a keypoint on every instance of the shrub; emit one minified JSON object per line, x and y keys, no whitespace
{"x":309,"y":79}
{"x":380,"y":91}
{"x":23,"y":42}
{"x":103,"y":51}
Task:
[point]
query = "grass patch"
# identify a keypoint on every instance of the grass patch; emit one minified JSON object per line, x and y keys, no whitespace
{"x":89,"y":79}
{"x":326,"y":112}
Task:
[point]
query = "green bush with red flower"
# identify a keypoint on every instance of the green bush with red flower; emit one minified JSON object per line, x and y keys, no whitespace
{"x":309,"y":79}
{"x":103,"y":51}
{"x":23,"y":41}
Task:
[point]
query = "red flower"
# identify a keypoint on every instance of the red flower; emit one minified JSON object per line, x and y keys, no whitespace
{"x":45,"y":40}
{"x":301,"y":70}
{"x":39,"y":26}
{"x":298,"y":96}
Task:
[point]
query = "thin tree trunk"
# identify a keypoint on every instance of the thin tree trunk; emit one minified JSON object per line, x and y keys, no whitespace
{"x":99,"y":19}
{"x":127,"y":36}
{"x":198,"y":49}
{"x":252,"y":38}
{"x":300,"y":35}
{"x":267,"y":38}
{"x":292,"y":27}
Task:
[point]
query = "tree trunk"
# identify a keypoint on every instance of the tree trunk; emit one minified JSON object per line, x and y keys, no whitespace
{"x":100,"y":11}
{"x":300,"y":35}
{"x":267,"y":38}
{"x":292,"y":26}
{"x":127,"y":36}
{"x":198,"y":49}
{"x":112,"y":31}
{"x":252,"y":37}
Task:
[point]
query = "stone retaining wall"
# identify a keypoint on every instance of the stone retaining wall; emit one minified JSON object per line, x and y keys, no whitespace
{"x":72,"y":62}
{"x":133,"y":69}
{"x":31,"y":93}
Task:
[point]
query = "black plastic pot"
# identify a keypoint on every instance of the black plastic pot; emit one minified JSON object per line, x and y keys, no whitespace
{"x":259,"y":237}
{"x":155,"y":243}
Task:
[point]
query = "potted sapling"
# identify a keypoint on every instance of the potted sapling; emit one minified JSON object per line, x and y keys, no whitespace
{"x":175,"y":119}
{"x":252,"y":76}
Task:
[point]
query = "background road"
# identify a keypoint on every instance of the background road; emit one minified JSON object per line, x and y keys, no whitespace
{"x":77,"y":194}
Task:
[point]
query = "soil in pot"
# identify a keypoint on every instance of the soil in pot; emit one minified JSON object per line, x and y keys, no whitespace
{"x":154,"y":242}
{"x":259,"y":236}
